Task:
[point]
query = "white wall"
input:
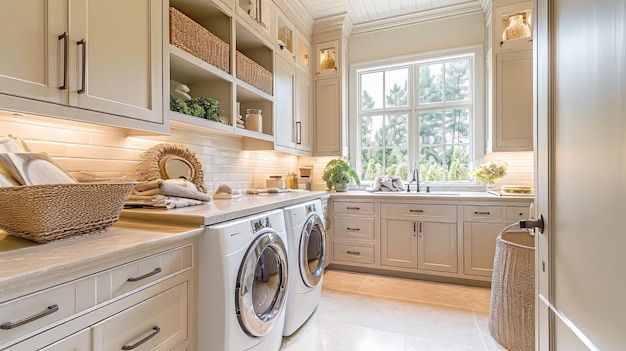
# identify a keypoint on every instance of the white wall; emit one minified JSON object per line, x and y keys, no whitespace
{"x":421,"y":37}
{"x":111,"y":152}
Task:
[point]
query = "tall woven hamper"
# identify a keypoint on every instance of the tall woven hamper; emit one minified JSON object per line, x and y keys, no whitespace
{"x":512,"y":305}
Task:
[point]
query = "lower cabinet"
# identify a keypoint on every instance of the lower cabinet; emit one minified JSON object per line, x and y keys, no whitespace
{"x":454,"y":240}
{"x":148,"y":310}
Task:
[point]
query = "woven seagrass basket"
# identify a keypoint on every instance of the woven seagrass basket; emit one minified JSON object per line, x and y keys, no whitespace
{"x":512,"y":305}
{"x":44,"y":213}
{"x":254,"y":74}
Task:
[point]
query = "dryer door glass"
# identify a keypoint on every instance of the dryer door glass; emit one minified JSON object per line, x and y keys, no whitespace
{"x":261,"y":284}
{"x":312,"y":251}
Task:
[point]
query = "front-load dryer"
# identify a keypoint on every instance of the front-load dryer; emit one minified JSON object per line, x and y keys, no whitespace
{"x":242,"y":284}
{"x":306,"y":245}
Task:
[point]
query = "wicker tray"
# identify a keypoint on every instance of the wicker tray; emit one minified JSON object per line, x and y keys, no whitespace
{"x":198,"y":41}
{"x":253,"y":73}
{"x":44,"y":213}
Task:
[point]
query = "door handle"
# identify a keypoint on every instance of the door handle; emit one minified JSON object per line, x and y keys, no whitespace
{"x":84,"y":68}
{"x":65,"y":38}
{"x":299,"y":133}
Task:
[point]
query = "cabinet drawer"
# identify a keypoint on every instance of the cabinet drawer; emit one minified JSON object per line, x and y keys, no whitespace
{"x":137,"y":274}
{"x":516,"y":213}
{"x":353,"y":227}
{"x":482,"y":213}
{"x":353,"y":207}
{"x":440,"y":213}
{"x":159,"y":323}
{"x":31,"y":312}
{"x":353,"y":252}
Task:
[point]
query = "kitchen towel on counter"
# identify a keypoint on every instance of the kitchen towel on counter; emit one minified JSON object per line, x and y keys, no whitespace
{"x":388,"y":183}
{"x":160,"y":201}
{"x":179,"y":188}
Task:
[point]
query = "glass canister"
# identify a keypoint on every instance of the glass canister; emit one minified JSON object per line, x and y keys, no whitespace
{"x":254,"y":120}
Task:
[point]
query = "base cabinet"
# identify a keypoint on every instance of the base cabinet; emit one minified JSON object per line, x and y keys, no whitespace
{"x":153,"y":314}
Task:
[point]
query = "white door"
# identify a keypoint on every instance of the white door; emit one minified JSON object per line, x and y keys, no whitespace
{"x":580,"y":178}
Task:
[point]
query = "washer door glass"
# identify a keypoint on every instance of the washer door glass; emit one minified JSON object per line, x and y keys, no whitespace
{"x":312,"y":251}
{"x":261,"y":284}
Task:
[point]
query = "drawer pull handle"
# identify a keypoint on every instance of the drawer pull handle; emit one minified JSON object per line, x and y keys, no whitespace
{"x":49,"y":310}
{"x":136,"y":279}
{"x":353,"y":253}
{"x":156,"y":330}
{"x":353,"y":208}
{"x":416,"y":211}
{"x":482,"y":213}
{"x":353,"y":229}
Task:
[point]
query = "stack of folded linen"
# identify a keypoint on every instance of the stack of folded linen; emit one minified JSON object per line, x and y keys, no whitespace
{"x":168,"y":193}
{"x":388,"y":183}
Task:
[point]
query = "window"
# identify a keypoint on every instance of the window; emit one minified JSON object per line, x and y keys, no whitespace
{"x":417,"y":113}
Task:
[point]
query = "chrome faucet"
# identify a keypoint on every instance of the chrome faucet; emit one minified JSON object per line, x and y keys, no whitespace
{"x":416,"y":180}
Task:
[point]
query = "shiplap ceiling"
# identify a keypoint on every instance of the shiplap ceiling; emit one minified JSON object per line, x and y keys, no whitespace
{"x":364,"y":13}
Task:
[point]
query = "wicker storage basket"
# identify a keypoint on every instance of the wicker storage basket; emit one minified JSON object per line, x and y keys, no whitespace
{"x":512,"y":306}
{"x":253,"y":73}
{"x":44,"y":213}
{"x":198,"y":41}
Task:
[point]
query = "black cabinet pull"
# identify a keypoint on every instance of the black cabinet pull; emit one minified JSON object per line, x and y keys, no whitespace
{"x":156,"y":330}
{"x":416,"y":211}
{"x":84,"y":69}
{"x":48,"y":311}
{"x":353,"y":208}
{"x":353,"y":229}
{"x":353,"y":253}
{"x":65,"y":39}
{"x":136,"y":279}
{"x":482,"y":213}
{"x":299,"y":133}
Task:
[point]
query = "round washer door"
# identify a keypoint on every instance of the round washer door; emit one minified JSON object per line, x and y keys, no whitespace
{"x":312,"y":250}
{"x":261,"y":284}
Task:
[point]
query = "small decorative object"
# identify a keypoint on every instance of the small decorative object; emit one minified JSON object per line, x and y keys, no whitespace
{"x":338,"y":174}
{"x":489,"y":172}
{"x":254,"y":120}
{"x":328,"y":60}
{"x":171,"y":161}
{"x":517,"y":28}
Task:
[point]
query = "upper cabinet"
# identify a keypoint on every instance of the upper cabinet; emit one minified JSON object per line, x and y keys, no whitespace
{"x":509,"y":78}
{"x":213,"y":55}
{"x":330,"y":40}
{"x":70,"y":55}
{"x":259,"y":14}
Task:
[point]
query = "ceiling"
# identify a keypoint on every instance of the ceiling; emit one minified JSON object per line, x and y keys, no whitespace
{"x":372,"y":13}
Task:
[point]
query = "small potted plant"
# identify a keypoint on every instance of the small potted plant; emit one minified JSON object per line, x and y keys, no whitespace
{"x":338,"y":174}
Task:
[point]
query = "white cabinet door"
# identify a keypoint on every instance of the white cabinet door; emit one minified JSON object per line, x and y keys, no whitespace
{"x":284,"y":82}
{"x":80,"y":341}
{"x":398,"y":245}
{"x":304,"y":132}
{"x":437,"y":247}
{"x":118,"y":47}
{"x":33,"y":55}
{"x":513,"y":124}
{"x":328,"y":123}
{"x":479,"y":247}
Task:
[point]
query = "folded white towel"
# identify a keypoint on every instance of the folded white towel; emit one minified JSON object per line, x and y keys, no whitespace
{"x":388,"y":183}
{"x":169,"y":188}
{"x":160,"y":201}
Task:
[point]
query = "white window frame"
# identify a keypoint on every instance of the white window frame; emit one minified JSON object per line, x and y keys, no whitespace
{"x":478,"y":117}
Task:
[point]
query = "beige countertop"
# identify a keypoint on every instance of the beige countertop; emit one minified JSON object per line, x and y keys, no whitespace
{"x":447,"y":197}
{"x":23,"y":262}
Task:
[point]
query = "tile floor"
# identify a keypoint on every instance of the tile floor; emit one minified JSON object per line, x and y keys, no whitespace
{"x":362,"y":312}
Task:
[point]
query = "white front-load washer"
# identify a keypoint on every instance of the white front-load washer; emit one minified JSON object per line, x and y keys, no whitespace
{"x":242,"y":284}
{"x":306,"y":246}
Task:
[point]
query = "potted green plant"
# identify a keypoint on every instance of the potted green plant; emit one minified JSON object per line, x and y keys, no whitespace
{"x":338,"y":174}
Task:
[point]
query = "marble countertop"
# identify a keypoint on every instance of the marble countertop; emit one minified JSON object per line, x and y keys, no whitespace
{"x":447,"y":197}
{"x":23,"y":262}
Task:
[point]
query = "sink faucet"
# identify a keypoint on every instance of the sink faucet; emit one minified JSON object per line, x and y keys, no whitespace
{"x":416,"y":180}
